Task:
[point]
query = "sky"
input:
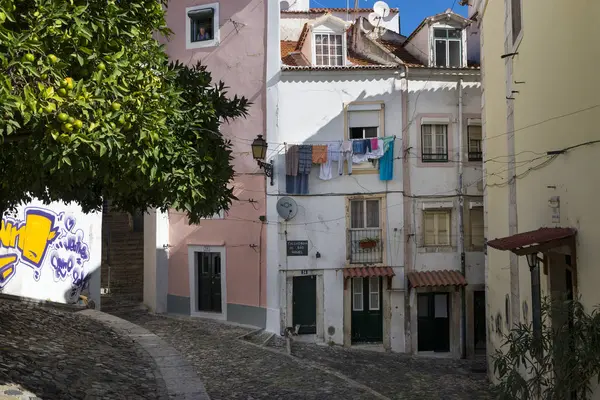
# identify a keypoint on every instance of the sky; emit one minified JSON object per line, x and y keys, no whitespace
{"x":412,"y":12}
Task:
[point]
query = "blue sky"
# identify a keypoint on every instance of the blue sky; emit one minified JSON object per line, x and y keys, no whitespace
{"x":412,"y":12}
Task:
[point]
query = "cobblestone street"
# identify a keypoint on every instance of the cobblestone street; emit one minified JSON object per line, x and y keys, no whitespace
{"x":234,"y":369}
{"x":54,"y":354}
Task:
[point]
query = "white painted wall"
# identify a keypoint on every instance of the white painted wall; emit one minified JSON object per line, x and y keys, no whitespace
{"x":51,"y":252}
{"x":419,"y":45}
{"x":310,"y":110}
{"x":156,"y":260}
{"x":433,"y":97}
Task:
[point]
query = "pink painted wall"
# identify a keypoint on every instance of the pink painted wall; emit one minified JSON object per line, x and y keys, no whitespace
{"x":239,"y":61}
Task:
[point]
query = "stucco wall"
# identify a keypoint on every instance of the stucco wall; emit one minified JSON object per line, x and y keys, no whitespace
{"x":541,"y":125}
{"x":239,"y":61}
{"x":51,"y":252}
{"x":310,"y":109}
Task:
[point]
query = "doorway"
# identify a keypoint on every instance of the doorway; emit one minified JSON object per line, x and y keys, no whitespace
{"x":479,"y":321}
{"x":304,"y":304}
{"x":209,"y":281}
{"x":367,"y":315}
{"x":433,"y":322}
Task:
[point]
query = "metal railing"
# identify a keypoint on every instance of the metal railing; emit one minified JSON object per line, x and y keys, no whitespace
{"x":475,"y":156}
{"x":434,"y":157}
{"x":365,"y":246}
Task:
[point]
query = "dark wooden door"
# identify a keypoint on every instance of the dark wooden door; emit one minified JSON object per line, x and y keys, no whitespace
{"x":479,"y":321}
{"x":367,"y":315}
{"x":433,"y":322}
{"x":304,"y":307}
{"x":209,"y":282}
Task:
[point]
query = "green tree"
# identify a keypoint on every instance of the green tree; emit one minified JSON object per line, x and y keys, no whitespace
{"x":92,"y":109}
{"x":560,"y":362}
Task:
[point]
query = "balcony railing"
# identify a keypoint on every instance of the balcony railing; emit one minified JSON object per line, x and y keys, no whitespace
{"x":434,"y":157}
{"x":365,"y":246}
{"x":475,"y":156}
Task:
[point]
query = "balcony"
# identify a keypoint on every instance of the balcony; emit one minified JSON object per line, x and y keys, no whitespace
{"x":365,"y":246}
{"x":434,"y":157}
{"x":475,"y":156}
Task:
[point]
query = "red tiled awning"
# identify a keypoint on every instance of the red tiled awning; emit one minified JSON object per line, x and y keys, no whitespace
{"x":436,"y":278}
{"x":365,"y":272}
{"x":533,"y":241}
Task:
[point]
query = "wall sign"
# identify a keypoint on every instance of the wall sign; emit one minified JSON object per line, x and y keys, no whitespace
{"x":297,"y":248}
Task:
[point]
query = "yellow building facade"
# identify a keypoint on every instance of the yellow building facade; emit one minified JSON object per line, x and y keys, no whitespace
{"x":541,"y":101}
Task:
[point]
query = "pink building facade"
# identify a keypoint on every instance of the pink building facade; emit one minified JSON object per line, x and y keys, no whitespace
{"x":217,"y":269}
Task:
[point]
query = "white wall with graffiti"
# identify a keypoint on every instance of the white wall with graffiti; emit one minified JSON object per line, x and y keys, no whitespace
{"x":51,"y":252}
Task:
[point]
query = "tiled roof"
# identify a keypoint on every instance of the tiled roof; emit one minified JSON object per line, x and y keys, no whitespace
{"x":302,"y":37}
{"x":339,"y":68}
{"x":324,"y":10}
{"x":358,"y":59}
{"x":400,"y":51}
{"x":537,"y":237}
{"x":365,"y":272}
{"x":287,"y":46}
{"x":436,"y":278}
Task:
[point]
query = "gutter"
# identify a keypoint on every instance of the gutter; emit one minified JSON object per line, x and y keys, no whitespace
{"x":461,"y":219}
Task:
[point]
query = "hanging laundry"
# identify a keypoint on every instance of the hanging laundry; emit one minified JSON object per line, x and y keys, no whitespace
{"x":386,"y":163}
{"x":374,"y":144}
{"x":333,"y":153}
{"x":319,"y":154}
{"x":373,"y":154}
{"x":367,"y":144}
{"x":345,"y":155}
{"x":304,"y":159}
{"x":296,"y":184}
{"x":358,"y":146}
{"x":291,"y":161}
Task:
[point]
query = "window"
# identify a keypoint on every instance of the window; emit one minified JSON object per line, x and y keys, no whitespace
{"x":202,"y":25}
{"x":477,"y":233}
{"x":437,"y":228}
{"x":357,"y":294}
{"x":517,"y":22}
{"x":448,"y":47}
{"x":434,"y":143}
{"x":474,"y":134}
{"x":329,"y":50}
{"x":365,"y":233}
{"x":374,"y":293}
{"x":363,"y":124}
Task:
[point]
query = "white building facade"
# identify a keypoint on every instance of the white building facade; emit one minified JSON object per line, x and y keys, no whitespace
{"x":337,"y":272}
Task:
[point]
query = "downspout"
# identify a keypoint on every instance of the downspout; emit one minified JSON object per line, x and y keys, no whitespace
{"x":461,"y":219}
{"x":407,"y":205}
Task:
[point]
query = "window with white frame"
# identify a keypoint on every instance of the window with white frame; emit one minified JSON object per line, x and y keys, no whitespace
{"x":477,"y":231}
{"x":474,"y":138}
{"x":516,"y":18}
{"x":202,"y":25}
{"x":436,"y":230}
{"x":447,"y":47}
{"x":329,"y":49}
{"x":374,"y":295}
{"x":357,"y":294}
{"x":365,"y":121}
{"x":365,"y":234}
{"x":434,"y":143}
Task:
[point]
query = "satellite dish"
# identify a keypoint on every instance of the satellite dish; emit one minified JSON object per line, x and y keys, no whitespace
{"x":287,"y":208}
{"x":374,"y":19}
{"x":381,"y":8}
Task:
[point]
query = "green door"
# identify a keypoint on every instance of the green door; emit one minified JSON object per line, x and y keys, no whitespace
{"x":367,"y":317}
{"x":304,"y":307}
{"x":433,"y":322}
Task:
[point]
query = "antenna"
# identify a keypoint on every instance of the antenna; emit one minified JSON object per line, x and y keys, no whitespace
{"x":381,"y":8}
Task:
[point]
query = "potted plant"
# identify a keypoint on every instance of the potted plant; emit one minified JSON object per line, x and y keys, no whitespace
{"x":368,"y":242}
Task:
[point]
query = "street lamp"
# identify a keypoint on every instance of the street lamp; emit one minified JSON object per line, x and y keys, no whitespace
{"x":532,"y":260}
{"x":259,"y":152}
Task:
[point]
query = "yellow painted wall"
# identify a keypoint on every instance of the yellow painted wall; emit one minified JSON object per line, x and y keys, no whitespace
{"x":559,"y":61}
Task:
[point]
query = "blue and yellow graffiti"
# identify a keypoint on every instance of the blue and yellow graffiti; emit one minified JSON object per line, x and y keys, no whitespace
{"x":31,"y":237}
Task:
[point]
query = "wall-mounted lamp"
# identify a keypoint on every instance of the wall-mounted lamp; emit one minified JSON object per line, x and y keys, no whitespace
{"x":533,"y":260}
{"x":259,"y":152}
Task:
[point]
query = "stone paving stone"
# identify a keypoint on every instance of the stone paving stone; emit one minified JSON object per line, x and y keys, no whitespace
{"x":232,"y":369}
{"x":59,"y":354}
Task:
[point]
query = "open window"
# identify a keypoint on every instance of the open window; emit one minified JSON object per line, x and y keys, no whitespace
{"x":365,"y":121}
{"x":202,"y":23}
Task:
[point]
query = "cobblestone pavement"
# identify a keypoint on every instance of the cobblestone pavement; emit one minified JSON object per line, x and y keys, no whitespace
{"x":57,"y":354}
{"x":234,"y":369}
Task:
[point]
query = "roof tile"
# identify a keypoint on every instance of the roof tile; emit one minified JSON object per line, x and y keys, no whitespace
{"x":537,"y":237}
{"x":436,"y":278}
{"x":365,"y":272}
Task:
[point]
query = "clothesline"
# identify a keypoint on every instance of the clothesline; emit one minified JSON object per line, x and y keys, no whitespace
{"x":329,"y":141}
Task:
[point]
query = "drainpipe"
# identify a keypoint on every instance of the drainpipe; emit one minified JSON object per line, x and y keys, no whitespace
{"x":461,"y":220}
{"x":408,"y":228}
